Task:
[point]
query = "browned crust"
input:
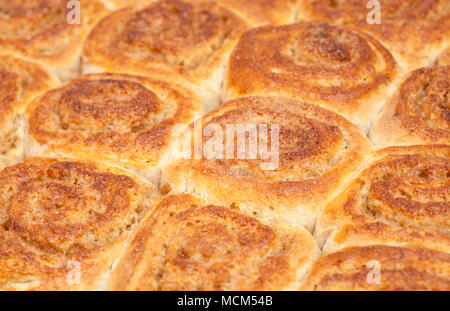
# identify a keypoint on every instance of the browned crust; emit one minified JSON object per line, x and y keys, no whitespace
{"x":122,"y":118}
{"x":20,"y":81}
{"x":319,"y":152}
{"x":338,"y":68}
{"x":401,"y":269}
{"x":39,"y":29}
{"x":403,"y":196}
{"x":415,"y":31}
{"x":187,"y":244}
{"x":419,"y":111}
{"x":175,"y":38}
{"x":54,"y":212}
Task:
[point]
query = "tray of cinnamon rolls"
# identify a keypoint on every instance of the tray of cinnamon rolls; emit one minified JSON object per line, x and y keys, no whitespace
{"x":224,"y":145}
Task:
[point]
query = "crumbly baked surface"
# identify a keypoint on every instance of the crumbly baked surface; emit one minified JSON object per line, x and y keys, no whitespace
{"x":415,"y":31}
{"x":402,"y":196}
{"x":188,"y":244}
{"x":338,"y":68}
{"x":319,"y":151}
{"x":401,"y":269}
{"x":418,"y":113}
{"x":20,"y":80}
{"x":224,"y":145}
{"x":40,"y":30}
{"x":58,"y":215}
{"x":118,"y":118}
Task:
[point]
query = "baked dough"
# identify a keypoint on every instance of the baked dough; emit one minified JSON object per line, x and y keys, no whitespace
{"x":182,"y":41}
{"x":188,"y":244}
{"x":403,"y":197}
{"x":418,"y":113}
{"x":64,"y":222}
{"x":444,"y":58}
{"x":20,"y":80}
{"x":318,"y":153}
{"x":415,"y":31}
{"x":40,"y":30}
{"x":122,"y":119}
{"x":264,"y":12}
{"x":340,"y":69}
{"x":400,"y":269}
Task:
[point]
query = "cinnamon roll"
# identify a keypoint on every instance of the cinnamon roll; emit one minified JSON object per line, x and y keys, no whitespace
{"x":48,"y":31}
{"x":419,"y":111}
{"x":264,"y":12}
{"x":415,"y":31}
{"x":402,"y":197}
{"x":63,"y":222}
{"x":188,"y":244}
{"x":183,"y":41}
{"x":274,"y":158}
{"x":20,"y":80}
{"x":340,"y":69}
{"x":444,"y":58}
{"x":121,"y":119}
{"x":380,"y":268}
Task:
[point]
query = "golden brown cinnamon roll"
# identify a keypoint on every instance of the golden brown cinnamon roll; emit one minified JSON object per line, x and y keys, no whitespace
{"x":122,"y":119}
{"x":419,"y":111}
{"x":415,"y":31}
{"x":277,"y":159}
{"x":340,"y":69}
{"x":264,"y":12}
{"x":444,"y":58}
{"x":64,"y":222}
{"x":379,"y":268}
{"x":48,"y":31}
{"x":183,"y":41}
{"x":403,"y":197}
{"x":188,"y":244}
{"x":20,"y":80}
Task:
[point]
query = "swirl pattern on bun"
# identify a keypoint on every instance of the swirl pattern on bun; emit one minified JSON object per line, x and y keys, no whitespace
{"x":415,"y":31}
{"x":63,"y":222}
{"x":340,"y":69}
{"x":400,"y":269}
{"x":274,"y":158}
{"x":20,"y":80}
{"x":121,"y":119}
{"x":402,"y":197}
{"x":40,"y":30}
{"x":118,"y":4}
{"x":185,"y":41}
{"x":188,"y":244}
{"x":419,"y":111}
